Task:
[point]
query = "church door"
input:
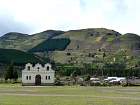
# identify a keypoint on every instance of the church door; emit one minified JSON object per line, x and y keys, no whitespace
{"x":38,"y":80}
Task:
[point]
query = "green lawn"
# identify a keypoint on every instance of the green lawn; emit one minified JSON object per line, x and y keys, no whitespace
{"x":11,"y":94}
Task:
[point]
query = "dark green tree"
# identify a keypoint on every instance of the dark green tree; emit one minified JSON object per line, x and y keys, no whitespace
{"x":87,"y":77}
{"x":9,"y":72}
{"x":15,"y":75}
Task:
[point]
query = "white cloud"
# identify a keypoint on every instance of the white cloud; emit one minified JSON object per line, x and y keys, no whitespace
{"x":39,"y":15}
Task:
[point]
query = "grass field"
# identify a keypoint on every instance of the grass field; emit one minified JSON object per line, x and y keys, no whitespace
{"x":11,"y":94}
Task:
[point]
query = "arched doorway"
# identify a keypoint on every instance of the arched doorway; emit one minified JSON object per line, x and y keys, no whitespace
{"x":38,"y":80}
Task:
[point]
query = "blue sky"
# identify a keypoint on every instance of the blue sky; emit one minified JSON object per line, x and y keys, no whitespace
{"x":31,"y":16}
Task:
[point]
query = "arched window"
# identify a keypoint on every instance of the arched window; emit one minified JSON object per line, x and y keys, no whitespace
{"x":38,"y":68}
{"x":49,"y":77}
{"x":29,"y":77}
{"x":46,"y":77}
{"x":28,"y":68}
{"x":26,"y":77}
{"x":48,"y":68}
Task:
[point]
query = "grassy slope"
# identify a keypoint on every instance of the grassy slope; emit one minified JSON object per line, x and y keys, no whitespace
{"x":131,"y":41}
{"x":80,"y":39}
{"x":25,"y":42}
{"x":100,"y":38}
{"x":90,"y":40}
{"x":68,"y":95}
{"x":18,"y":57}
{"x":81,"y":42}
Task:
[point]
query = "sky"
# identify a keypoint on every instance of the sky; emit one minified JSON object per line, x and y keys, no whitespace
{"x":32,"y":16}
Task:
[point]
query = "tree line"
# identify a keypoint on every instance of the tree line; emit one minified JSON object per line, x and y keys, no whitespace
{"x":120,"y":64}
{"x":11,"y":73}
{"x":99,"y":69}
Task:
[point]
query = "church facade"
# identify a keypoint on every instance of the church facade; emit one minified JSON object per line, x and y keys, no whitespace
{"x":38,"y":75}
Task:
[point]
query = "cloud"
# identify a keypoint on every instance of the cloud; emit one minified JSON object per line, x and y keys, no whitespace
{"x":9,"y":24}
{"x":121,"y":15}
{"x":44,"y":14}
{"x":31,"y":16}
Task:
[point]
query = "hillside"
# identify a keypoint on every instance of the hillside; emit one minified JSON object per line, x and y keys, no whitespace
{"x":51,"y":45}
{"x":89,"y":45}
{"x":25,"y":42}
{"x":18,"y":57}
{"x":99,"y":38}
{"x":74,"y":45}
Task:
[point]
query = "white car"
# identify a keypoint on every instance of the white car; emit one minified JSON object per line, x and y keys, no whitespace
{"x":95,"y":80}
{"x":115,"y":79}
{"x":110,"y":79}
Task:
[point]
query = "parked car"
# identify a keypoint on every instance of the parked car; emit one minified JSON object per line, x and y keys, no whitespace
{"x":95,"y":81}
{"x":115,"y":80}
{"x":110,"y":79}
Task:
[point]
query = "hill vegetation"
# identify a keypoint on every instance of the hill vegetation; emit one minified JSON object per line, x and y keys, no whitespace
{"x":25,"y":42}
{"x":91,"y":39}
{"x":100,"y":38}
{"x":51,"y":45}
{"x":95,"y":51}
{"x":18,"y":57}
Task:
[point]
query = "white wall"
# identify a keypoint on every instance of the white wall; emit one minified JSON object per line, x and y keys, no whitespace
{"x":43,"y":72}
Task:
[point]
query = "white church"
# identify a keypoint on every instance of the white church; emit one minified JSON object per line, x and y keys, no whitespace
{"x":38,"y":75}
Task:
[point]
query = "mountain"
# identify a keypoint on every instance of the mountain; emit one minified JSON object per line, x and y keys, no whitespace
{"x":73,"y":45}
{"x":100,"y":38}
{"x":90,"y":42}
{"x":25,"y":42}
{"x":18,"y":57}
{"x":90,"y":38}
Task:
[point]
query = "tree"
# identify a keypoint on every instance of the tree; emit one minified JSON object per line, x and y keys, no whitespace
{"x":104,"y":55}
{"x":74,"y":75}
{"x":6,"y":75}
{"x":9,"y":72}
{"x":87,"y":77}
{"x":15,"y":75}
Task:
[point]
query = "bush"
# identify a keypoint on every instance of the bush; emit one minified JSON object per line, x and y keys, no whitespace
{"x":59,"y":83}
{"x":95,"y":84}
